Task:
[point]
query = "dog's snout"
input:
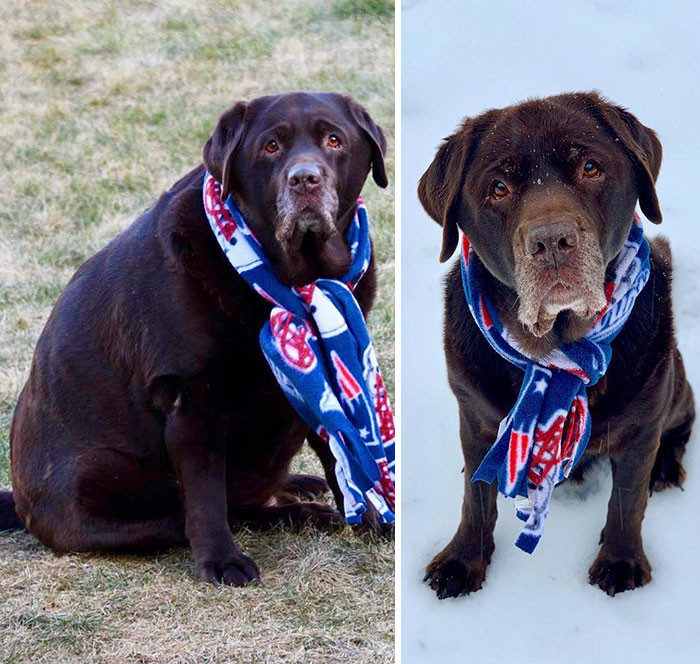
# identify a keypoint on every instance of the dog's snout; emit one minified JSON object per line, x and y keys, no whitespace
{"x":304,"y":177}
{"x":552,"y":242}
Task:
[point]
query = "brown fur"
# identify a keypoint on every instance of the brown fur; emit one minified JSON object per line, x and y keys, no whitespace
{"x":642,"y":410}
{"x":150,"y":417}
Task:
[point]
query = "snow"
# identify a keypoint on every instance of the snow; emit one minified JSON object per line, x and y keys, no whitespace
{"x":460,"y":58}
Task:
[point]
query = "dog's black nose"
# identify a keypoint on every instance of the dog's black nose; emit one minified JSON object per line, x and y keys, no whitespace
{"x":552,"y":242}
{"x":304,"y":177}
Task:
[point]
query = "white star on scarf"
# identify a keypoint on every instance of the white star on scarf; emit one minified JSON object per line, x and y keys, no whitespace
{"x":364,"y":432}
{"x":541,"y":385}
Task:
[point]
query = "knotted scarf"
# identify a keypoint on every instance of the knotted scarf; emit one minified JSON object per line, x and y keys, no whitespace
{"x":319,"y":350}
{"x":547,"y":430}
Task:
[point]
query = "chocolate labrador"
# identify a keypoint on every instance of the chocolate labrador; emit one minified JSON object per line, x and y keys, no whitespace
{"x":150,"y":417}
{"x":546,"y":192}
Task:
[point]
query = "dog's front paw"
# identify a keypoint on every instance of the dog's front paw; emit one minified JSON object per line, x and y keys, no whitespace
{"x":450,"y":576}
{"x":235,"y":570}
{"x":617,"y":574}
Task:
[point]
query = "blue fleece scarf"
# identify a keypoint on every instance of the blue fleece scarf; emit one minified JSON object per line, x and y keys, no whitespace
{"x":547,"y":430}
{"x":319,"y":350}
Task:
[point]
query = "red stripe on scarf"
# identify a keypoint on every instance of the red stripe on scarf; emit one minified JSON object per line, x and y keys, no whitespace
{"x":485,"y":313}
{"x":517,"y":454}
{"x":465,"y":248}
{"x":217,"y":210}
{"x":574,"y":427}
{"x":609,"y":288}
{"x":385,"y":415}
{"x":348,"y":383}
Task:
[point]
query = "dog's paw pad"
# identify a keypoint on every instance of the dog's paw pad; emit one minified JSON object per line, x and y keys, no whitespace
{"x":239,"y":570}
{"x":615,"y":575}
{"x":451,"y":577}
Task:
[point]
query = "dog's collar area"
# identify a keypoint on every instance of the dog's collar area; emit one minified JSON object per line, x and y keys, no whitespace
{"x":612,"y":271}
{"x":243,"y":249}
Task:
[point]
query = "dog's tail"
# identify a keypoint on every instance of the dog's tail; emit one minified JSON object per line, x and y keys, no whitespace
{"x":9,"y":519}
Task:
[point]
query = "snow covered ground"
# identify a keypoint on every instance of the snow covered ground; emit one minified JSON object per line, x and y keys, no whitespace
{"x":460,"y":58}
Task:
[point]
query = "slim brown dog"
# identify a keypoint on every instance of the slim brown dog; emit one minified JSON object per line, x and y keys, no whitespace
{"x":150,"y":417}
{"x":546,"y":191}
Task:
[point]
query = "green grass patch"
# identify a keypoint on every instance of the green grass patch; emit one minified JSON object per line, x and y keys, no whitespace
{"x":105,"y":106}
{"x":380,"y":9}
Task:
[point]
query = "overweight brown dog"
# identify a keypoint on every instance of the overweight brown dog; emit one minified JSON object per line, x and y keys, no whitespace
{"x":546,"y":191}
{"x":150,"y":417}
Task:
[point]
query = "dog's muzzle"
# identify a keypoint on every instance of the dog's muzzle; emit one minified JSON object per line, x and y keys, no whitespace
{"x":560,"y":268}
{"x":307,"y":203}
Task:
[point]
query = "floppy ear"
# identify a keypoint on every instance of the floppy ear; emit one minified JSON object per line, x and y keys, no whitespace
{"x":374,"y":133}
{"x":221,"y":146}
{"x":644,"y":149}
{"x":439,"y":187}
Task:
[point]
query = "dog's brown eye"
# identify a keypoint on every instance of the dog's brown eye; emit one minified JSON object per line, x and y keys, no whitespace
{"x":499,"y":190}
{"x":271,"y":147}
{"x":333,"y":141}
{"x":591,"y":169}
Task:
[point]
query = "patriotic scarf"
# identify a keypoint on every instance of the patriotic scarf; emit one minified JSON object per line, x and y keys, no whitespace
{"x":546,"y":432}
{"x":319,"y":350}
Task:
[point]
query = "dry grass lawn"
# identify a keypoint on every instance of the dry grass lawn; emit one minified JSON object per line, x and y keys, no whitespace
{"x":102,"y":107}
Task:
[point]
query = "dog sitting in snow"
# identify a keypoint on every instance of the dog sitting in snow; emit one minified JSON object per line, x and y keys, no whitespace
{"x":558,"y":325}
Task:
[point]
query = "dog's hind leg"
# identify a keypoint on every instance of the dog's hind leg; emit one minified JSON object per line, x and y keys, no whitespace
{"x":103,"y":501}
{"x":668,"y":468}
{"x":94,"y":533}
{"x":293,"y":514}
{"x":305,"y":486}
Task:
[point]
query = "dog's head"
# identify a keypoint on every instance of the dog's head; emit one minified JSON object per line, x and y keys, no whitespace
{"x":295,"y":164}
{"x":545,"y":191}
